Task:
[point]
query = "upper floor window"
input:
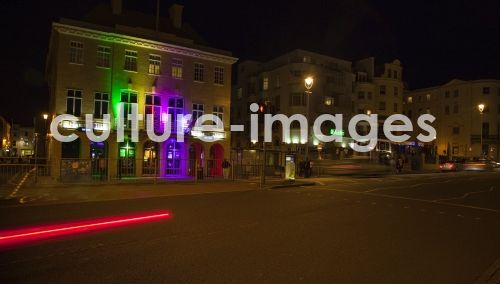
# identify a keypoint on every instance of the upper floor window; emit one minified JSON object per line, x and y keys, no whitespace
{"x":298,"y":99}
{"x":219,"y":75}
{"x":219,"y":112}
{"x":410,"y":100}
{"x":447,"y":94}
{"x":486,"y":90}
{"x":381,"y":106}
{"x":456,"y":130}
{"x":428,"y":97}
{"x":389,"y":73}
{"x":177,"y":68}
{"x":175,"y":107}
{"x":199,"y":72}
{"x":130,"y":60}
{"x":198,"y":110}
{"x":361,"y":95}
{"x":395,"y":107}
{"x":278,"y":83}
{"x":103,"y":56}
{"x":101,"y":102}
{"x":239,"y":93}
{"x":382,"y":89}
{"x":395,"y":74}
{"x":127,"y":98}
{"x":447,"y":110}
{"x":396,"y":91}
{"x":265,"y":83}
{"x":455,"y":93}
{"x":455,"y":108}
{"x":154,"y":64}
{"x":76,"y":52}
{"x":152,"y":107}
{"x":74,"y":102}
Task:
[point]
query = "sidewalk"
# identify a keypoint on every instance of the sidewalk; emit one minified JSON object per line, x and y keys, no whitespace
{"x":67,"y":193}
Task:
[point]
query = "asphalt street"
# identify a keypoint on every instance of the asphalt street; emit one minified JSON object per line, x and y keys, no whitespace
{"x":425,"y":228}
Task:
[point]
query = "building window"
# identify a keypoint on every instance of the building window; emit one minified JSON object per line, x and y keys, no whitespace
{"x":154,"y":64}
{"x":278,"y":82}
{"x":277,"y":103}
{"x":447,"y":94}
{"x":175,"y":107}
{"x":101,"y":102}
{"x":265,"y":83}
{"x":298,"y":99}
{"x":219,"y":112}
{"x":369,"y":94}
{"x":486,"y":90}
{"x":382,"y":89}
{"x":447,"y":110}
{"x":76,"y":52}
{"x":130,"y":60}
{"x":198,"y":110}
{"x":127,"y":98}
{"x":389,"y":73}
{"x":486,"y":129}
{"x":177,"y":68}
{"x":103,"y":56}
{"x":239,"y":93}
{"x":199,"y":72}
{"x":410,"y":100}
{"x":396,"y":91}
{"x":152,"y":106}
{"x":455,"y":108}
{"x":219,"y":75}
{"x":361,"y":95}
{"x":395,"y":107}
{"x":395,"y":74}
{"x":328,"y":101}
{"x":455,"y":93}
{"x":74,"y":102}
{"x":381,"y":106}
{"x":428,"y":97}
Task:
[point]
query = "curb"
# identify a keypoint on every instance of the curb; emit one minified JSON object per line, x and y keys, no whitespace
{"x":293,"y":185}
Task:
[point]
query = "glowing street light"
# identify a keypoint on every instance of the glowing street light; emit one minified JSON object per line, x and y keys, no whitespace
{"x":45,"y":116}
{"x":308,"y":82}
{"x":480,"y":107}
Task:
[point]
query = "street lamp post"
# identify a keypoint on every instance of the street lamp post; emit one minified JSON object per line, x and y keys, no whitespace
{"x":45,"y":118}
{"x":480,"y":107}
{"x":308,"y":83}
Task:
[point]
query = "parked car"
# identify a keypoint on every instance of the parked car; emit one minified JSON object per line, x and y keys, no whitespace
{"x":478,"y":165}
{"x":451,"y":166}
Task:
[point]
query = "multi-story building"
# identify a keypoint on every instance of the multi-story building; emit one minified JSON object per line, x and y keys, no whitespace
{"x":5,"y":137}
{"x":23,"y":141}
{"x":459,"y":122}
{"x":339,"y":87}
{"x":117,"y":58}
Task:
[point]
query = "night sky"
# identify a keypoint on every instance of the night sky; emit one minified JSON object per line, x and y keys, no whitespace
{"x":436,"y":41}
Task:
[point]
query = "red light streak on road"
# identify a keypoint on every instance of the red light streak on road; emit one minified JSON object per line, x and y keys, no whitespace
{"x":35,"y":233}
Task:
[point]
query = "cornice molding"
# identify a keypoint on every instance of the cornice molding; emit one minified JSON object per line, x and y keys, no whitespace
{"x":143,"y":43}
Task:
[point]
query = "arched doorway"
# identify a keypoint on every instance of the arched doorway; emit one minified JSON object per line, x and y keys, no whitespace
{"x":98,"y":155}
{"x":150,"y":158}
{"x":196,"y":157}
{"x":126,"y":159}
{"x":173,"y":161}
{"x":215,"y":160}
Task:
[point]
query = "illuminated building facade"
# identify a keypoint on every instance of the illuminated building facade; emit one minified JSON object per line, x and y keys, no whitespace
{"x":339,"y":87}
{"x":96,"y":68}
{"x":459,"y":122}
{"x":5,"y":137}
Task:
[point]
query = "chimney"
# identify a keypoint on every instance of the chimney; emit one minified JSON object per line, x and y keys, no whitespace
{"x":116,"y":7}
{"x":175,"y":12}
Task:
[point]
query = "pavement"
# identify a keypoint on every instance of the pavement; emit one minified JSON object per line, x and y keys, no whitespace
{"x":413,"y":228}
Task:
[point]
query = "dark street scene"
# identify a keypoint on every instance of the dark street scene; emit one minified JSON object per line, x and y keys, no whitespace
{"x":180,"y":141}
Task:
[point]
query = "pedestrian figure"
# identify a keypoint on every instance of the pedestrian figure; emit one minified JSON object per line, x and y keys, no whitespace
{"x":225,"y":168}
{"x":399,"y":165}
{"x":307,"y":172}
